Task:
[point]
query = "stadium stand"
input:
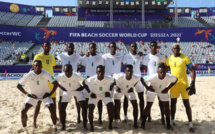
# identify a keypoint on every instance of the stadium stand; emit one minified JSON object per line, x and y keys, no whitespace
{"x":188,"y":22}
{"x":7,"y":48}
{"x":36,"y":19}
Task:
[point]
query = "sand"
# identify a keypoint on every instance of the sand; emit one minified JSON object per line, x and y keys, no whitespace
{"x":203,"y":107}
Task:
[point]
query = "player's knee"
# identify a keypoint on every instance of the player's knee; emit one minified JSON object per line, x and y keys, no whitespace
{"x":23,"y":112}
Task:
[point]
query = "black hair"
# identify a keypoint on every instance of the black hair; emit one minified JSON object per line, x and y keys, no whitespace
{"x":92,"y":43}
{"x":129,"y":66}
{"x":112,"y":43}
{"x":100,"y":66}
{"x":162,"y":65}
{"x":39,"y":61}
{"x":154,"y":42}
{"x":46,"y":43}
{"x":70,"y":43}
{"x":68,"y":66}
{"x":133,"y":43}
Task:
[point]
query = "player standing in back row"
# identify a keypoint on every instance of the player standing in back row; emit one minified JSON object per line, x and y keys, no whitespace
{"x":48,"y":62}
{"x":74,"y":59}
{"x":178,"y":64}
{"x":152,"y":60}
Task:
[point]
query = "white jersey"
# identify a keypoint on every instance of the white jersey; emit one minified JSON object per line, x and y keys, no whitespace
{"x":134,"y":60}
{"x":72,"y":83}
{"x":38,"y":83}
{"x":159,"y":84}
{"x":125,"y":84}
{"x":99,"y":87}
{"x":74,"y":60}
{"x":112,"y":63}
{"x":91,"y":63}
{"x":152,"y":61}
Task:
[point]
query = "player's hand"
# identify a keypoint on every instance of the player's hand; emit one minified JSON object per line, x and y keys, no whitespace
{"x":150,"y":88}
{"x":88,"y":54}
{"x":130,"y":90}
{"x":165,"y":91}
{"x":32,"y":96}
{"x":140,"y":53}
{"x":46,"y":95}
{"x":93,"y":95}
{"x":118,"y":90}
{"x":192,"y":88}
{"x":107,"y":94}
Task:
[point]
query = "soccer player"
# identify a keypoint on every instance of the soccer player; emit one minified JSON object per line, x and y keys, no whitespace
{"x":70,"y":80}
{"x":125,"y":83}
{"x":39,"y":91}
{"x":112,"y":60}
{"x":178,"y":64}
{"x":91,"y":61}
{"x":74,"y":59}
{"x":134,"y":59}
{"x":152,"y":60}
{"x":48,"y":62}
{"x":101,"y":87}
{"x":160,"y":83}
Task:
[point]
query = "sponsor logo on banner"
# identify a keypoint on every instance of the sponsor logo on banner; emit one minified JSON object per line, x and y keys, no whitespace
{"x":45,"y":34}
{"x":10,"y":33}
{"x":207,"y":33}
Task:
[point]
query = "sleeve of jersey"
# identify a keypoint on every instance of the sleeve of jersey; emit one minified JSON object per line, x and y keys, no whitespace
{"x":124,"y":60}
{"x":167,"y":61}
{"x":58,"y":57}
{"x":24,"y":80}
{"x":50,"y":78}
{"x":54,"y":62}
{"x":83,"y":63}
{"x":87,"y":81}
{"x":188,"y":62}
{"x":172,"y":78}
{"x":144,"y":61}
{"x":36,"y":58}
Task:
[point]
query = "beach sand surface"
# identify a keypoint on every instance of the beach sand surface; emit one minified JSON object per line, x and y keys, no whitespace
{"x":203,"y":109}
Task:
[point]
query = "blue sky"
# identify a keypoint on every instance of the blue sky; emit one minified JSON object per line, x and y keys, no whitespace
{"x":181,"y":3}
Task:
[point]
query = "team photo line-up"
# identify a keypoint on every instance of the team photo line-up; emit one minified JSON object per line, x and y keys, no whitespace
{"x":104,"y":82}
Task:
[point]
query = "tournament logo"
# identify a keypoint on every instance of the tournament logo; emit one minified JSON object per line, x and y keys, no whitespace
{"x":45,"y":34}
{"x":207,"y":34}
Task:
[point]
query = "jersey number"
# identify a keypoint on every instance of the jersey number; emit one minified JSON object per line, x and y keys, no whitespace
{"x":160,"y":86}
{"x":175,"y":64}
{"x":47,"y":61}
{"x":113,"y":62}
{"x":69,"y":84}
{"x":154,"y":63}
{"x":127,"y":86}
{"x":68,"y":62}
{"x":100,"y":88}
{"x":38,"y":83}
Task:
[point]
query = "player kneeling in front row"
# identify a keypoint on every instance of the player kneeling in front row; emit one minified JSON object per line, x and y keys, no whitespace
{"x":70,"y":80}
{"x":125,"y":83}
{"x":39,"y":91}
{"x":160,"y":84}
{"x":101,"y":86}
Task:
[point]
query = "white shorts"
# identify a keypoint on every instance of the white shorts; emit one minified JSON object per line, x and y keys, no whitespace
{"x":139,"y":87}
{"x":151,"y":96}
{"x":130,"y":96}
{"x":67,"y":96}
{"x":106,"y":100}
{"x":33,"y":102}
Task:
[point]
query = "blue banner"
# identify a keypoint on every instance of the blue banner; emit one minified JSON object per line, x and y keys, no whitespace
{"x":39,"y":35}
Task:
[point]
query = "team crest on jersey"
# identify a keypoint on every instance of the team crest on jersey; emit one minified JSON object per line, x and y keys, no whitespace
{"x":105,"y":84}
{"x":97,"y":60}
{"x":117,"y":58}
{"x":41,"y":78}
{"x":74,"y":59}
{"x":180,"y":60}
{"x":74,"y":81}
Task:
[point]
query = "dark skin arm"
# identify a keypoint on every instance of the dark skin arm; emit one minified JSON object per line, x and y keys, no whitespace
{"x":80,"y":68}
{"x":167,"y":88}
{"x":54,"y":89}
{"x":24,"y":91}
{"x":150,"y":88}
{"x":88,"y":90}
{"x":107,"y":94}
{"x":193,"y":75}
